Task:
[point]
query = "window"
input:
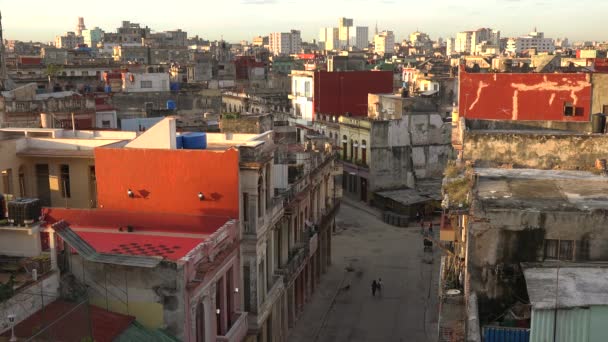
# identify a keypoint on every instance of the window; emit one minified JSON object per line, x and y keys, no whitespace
{"x":21,"y":181}
{"x":72,"y":73}
{"x":568,"y":109}
{"x":260,"y":194}
{"x":85,"y":73}
{"x":105,"y":123}
{"x":364,"y":152}
{"x":7,"y":181}
{"x":145,"y":84}
{"x":65,"y":181}
{"x":307,"y":89}
{"x":247,"y":288}
{"x":559,"y":249}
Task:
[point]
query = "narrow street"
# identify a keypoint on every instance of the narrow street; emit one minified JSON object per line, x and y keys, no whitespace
{"x":364,"y":248}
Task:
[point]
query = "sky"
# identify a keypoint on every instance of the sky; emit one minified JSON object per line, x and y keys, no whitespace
{"x":235,"y":20}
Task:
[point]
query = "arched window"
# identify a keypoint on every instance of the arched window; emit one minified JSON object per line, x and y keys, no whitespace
{"x":356,"y":150}
{"x":364,"y":152}
{"x":352,"y":149}
{"x":260,"y":194}
{"x":344,"y":146}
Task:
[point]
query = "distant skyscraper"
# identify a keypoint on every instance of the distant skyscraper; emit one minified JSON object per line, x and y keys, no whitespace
{"x":344,"y":25}
{"x":384,"y":43}
{"x":80,"y":27}
{"x":285,"y":43}
{"x":362,"y":37}
{"x":330,"y":37}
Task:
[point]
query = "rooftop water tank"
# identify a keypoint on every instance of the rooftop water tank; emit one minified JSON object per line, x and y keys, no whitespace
{"x":179,"y":141}
{"x":195,"y":141}
{"x":171,"y":105}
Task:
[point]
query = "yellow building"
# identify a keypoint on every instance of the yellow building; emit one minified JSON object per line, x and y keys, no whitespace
{"x":55,"y":165}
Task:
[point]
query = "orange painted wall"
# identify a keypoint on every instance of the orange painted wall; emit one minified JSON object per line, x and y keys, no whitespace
{"x":168,"y":181}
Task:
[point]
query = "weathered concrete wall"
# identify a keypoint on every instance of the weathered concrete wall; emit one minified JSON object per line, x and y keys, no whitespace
{"x":154,"y":296}
{"x":599,"y":95}
{"x":570,"y":126}
{"x":508,"y":237}
{"x":128,"y":103}
{"x":535,"y":150}
{"x":28,"y":300}
{"x":391,"y":155}
{"x":254,"y":124}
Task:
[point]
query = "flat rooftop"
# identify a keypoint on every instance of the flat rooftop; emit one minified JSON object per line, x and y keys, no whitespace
{"x":542,"y":190}
{"x":566,"y":286}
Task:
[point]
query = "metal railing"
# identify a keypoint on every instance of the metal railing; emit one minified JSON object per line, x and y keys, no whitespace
{"x":237,"y":331}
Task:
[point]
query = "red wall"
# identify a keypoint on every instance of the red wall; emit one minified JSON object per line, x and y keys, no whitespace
{"x":501,"y":96}
{"x":339,"y":92}
{"x":168,"y":181}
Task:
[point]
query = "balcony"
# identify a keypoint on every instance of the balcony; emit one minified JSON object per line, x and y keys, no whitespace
{"x":328,"y":214}
{"x":237,"y":331}
{"x":296,"y":262}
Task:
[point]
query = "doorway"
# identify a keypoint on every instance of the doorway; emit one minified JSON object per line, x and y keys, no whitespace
{"x":364,"y":190}
{"x":42,"y":184}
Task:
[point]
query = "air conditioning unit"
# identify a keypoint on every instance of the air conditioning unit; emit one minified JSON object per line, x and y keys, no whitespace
{"x":24,"y":211}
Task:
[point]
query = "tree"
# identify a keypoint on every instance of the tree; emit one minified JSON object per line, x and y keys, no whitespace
{"x":52,"y":70}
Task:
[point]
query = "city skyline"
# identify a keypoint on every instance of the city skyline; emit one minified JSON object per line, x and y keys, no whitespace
{"x":439,"y":19}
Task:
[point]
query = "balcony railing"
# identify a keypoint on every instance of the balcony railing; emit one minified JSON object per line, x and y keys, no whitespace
{"x":237,"y":331}
{"x":296,"y":261}
{"x":328,"y":213}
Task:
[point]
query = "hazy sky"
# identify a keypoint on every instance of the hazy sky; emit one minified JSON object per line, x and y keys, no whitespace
{"x":42,"y":20}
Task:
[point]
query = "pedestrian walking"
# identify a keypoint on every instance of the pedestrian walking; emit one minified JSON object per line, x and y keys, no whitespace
{"x":431,"y":228}
{"x":418,"y":216}
{"x":422,"y":227}
{"x":379,"y":286}
{"x":374,"y":287}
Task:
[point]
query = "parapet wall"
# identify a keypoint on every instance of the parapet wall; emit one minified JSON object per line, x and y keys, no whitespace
{"x":535,"y":149}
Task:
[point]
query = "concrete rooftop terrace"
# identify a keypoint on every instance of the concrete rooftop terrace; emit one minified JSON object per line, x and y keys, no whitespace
{"x":541,"y":190}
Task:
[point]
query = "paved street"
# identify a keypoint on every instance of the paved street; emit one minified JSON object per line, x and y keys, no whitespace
{"x":343,"y":309}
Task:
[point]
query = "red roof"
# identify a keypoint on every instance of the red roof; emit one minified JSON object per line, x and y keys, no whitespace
{"x":170,"y":236}
{"x":169,"y":247}
{"x":75,"y":325}
{"x":148,"y":222}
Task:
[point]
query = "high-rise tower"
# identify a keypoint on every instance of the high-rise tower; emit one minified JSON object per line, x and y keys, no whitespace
{"x":80,"y":27}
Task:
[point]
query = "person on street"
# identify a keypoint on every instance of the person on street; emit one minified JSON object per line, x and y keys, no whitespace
{"x":374,"y":287}
{"x":422,"y":227}
{"x":431,"y":228}
{"x":379,"y":286}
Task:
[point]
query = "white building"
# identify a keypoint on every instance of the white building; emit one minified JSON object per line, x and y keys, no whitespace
{"x":450,"y":46}
{"x":141,"y":83}
{"x":476,"y":42}
{"x":362,"y":37}
{"x":285,"y":43}
{"x":92,"y":37}
{"x":69,"y":41}
{"x":344,"y":25}
{"x":535,"y":40}
{"x":302,"y":93}
{"x":384,"y":43}
{"x":330,"y":37}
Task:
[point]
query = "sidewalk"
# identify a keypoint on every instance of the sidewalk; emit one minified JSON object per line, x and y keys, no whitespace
{"x":362,"y":206}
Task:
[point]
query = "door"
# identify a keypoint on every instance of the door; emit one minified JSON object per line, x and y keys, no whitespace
{"x":42,"y":184}
{"x":92,"y":187}
{"x":363,"y":189}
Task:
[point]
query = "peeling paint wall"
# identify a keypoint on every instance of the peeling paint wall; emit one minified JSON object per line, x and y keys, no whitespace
{"x":506,"y":237}
{"x":535,"y":150}
{"x":600,"y":93}
{"x":505,"y":96}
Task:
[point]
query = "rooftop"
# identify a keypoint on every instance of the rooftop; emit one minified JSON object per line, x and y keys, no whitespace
{"x":547,"y":190}
{"x":169,"y":236}
{"x":569,"y":286}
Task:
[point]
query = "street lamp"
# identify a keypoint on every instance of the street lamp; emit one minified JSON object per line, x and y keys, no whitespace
{"x":11,"y":320}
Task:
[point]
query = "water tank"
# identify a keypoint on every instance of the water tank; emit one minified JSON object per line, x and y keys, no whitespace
{"x":195,"y":141}
{"x":598,"y":123}
{"x":23,"y":211}
{"x":171,"y":105}
{"x":179,"y":141}
{"x":46,"y":121}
